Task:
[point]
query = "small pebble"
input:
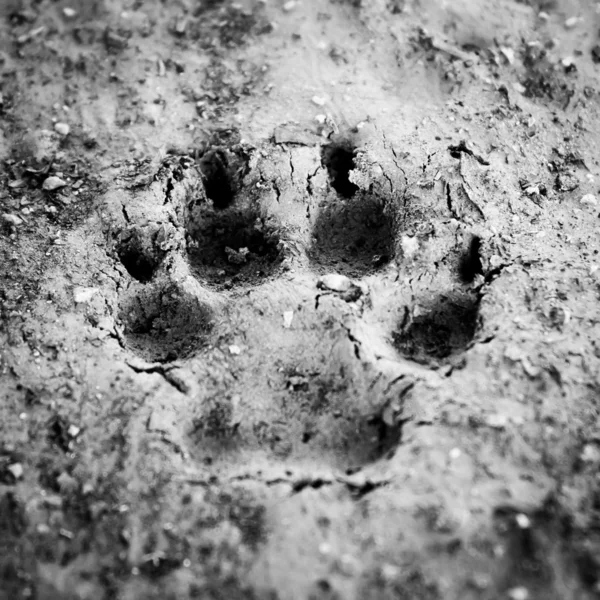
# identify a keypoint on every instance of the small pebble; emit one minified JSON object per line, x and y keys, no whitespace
{"x":590,"y":454}
{"x":70,"y":13}
{"x":87,"y":488}
{"x":73,"y":430}
{"x":62,"y":129}
{"x":571,"y":22}
{"x":410,"y":246}
{"x":334,"y":282}
{"x":455,"y":453}
{"x":518,"y":593}
{"x":496,"y":421}
{"x":67,"y":483}
{"x":235,"y":350}
{"x":12,"y":219}
{"x":289,"y":6}
{"x":53,"y":183}
{"x":319,"y":101}
{"x":53,"y":501}
{"x":523,"y":521}
{"x":481,"y":581}
{"x":508,"y":53}
{"x":288,"y":317}
{"x":589,"y":199}
{"x":16,"y":470}
{"x":325,"y":548}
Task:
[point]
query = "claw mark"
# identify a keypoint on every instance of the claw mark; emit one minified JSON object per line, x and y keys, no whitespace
{"x":169,"y":190}
{"x":449,"y":201}
{"x":277,"y":191}
{"x":125,"y":214}
{"x":309,"y":179}
{"x":391,"y":384}
{"x":355,"y":342}
{"x":389,"y":181}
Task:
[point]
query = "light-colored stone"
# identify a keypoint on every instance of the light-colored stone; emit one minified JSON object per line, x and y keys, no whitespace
{"x":83,"y":294}
{"x":572,"y":22}
{"x":12,"y":219}
{"x":16,"y":470}
{"x":589,"y":199}
{"x":62,"y":129}
{"x":334,"y":282}
{"x":53,"y":183}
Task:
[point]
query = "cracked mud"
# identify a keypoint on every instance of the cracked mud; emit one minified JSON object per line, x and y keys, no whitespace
{"x":299,"y":301}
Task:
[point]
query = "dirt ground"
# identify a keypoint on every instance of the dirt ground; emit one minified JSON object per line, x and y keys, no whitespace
{"x":299,"y":300}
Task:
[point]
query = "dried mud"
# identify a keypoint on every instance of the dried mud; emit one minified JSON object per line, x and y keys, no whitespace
{"x":299,"y":300}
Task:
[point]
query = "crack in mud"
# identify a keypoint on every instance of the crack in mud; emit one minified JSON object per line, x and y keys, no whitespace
{"x":125,"y":214}
{"x":292,"y":168}
{"x":356,"y":343}
{"x":309,"y":178}
{"x":277,"y":191}
{"x":395,"y":158}
{"x":358,"y":485}
{"x":165,"y":372}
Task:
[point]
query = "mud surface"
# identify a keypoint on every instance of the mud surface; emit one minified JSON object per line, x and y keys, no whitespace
{"x":299,"y":300}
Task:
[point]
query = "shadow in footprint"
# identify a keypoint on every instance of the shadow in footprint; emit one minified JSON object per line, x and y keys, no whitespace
{"x":219,"y":177}
{"x":352,"y":233}
{"x":470,"y":263}
{"x":138,"y":255}
{"x":446,"y":327}
{"x":229,"y":239}
{"x":338,"y":159}
{"x":313,"y":417}
{"x":165,"y":323}
{"x":235,"y":245}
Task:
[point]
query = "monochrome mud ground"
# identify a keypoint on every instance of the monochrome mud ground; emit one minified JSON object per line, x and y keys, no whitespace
{"x":299,"y":300}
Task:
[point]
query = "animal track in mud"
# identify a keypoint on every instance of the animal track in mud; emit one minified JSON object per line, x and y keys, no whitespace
{"x":138,"y":254}
{"x":444,"y":328}
{"x":311,"y":418}
{"x":230,"y":239}
{"x":164,"y":323}
{"x":352,"y":233}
